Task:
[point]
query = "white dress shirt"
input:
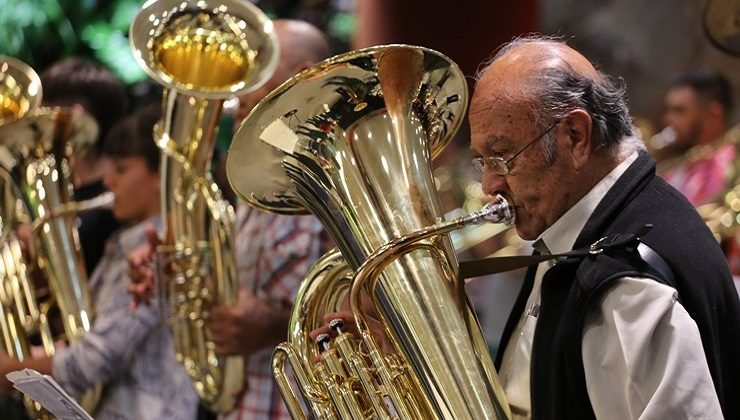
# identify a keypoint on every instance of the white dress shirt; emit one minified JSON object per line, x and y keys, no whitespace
{"x":642,"y":353}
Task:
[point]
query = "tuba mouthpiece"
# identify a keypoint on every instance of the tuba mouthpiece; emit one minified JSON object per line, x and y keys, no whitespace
{"x":497,"y":211}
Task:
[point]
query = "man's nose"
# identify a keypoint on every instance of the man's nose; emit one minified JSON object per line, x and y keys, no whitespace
{"x":493,"y":183}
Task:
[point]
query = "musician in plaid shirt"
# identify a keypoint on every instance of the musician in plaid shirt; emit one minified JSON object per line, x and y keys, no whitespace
{"x":273,"y":254}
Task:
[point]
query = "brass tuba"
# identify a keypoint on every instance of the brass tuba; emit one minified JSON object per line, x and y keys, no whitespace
{"x":351,"y":140}
{"x":36,"y":148}
{"x":20,"y":89}
{"x":203,"y":52}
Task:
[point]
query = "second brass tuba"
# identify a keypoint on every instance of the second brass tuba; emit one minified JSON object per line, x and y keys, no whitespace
{"x":351,"y":140}
{"x":202,"y":52}
{"x":36,"y":149}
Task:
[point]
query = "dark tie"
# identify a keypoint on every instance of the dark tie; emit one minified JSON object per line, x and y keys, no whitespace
{"x":540,"y":247}
{"x":517,"y":310}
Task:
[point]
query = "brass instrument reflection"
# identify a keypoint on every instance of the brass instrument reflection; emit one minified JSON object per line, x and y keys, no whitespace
{"x":351,"y":140}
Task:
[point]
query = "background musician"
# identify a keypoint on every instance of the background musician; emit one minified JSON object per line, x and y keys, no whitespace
{"x":129,"y":351}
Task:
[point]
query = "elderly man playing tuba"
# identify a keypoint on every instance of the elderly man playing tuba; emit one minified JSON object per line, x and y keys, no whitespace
{"x":610,"y":336}
{"x":627,"y":331}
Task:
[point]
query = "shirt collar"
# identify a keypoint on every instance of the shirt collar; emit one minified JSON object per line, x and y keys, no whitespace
{"x":561,"y":236}
{"x":134,"y":236}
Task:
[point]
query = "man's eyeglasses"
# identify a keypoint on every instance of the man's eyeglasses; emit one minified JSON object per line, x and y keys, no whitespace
{"x":499,"y":165}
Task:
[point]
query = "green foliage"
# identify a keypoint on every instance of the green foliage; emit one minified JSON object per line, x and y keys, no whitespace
{"x":342,"y":26}
{"x":40,"y":32}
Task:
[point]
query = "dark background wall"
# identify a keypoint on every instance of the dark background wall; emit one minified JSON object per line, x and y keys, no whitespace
{"x":648,"y":42}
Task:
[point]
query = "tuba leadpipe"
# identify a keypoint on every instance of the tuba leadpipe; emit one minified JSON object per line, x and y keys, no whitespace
{"x":202,"y":52}
{"x":367,"y":276}
{"x":351,"y":140}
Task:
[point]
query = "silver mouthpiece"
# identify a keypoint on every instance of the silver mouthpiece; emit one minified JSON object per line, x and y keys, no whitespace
{"x":497,"y":211}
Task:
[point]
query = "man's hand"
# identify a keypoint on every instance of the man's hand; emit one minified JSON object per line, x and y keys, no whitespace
{"x":350,"y":325}
{"x":250,"y":324}
{"x":141,"y":270}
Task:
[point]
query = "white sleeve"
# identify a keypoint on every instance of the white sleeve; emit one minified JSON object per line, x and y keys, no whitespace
{"x":643,"y":357}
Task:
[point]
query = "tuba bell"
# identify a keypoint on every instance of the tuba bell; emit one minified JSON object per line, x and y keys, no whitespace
{"x":36,"y":149}
{"x":202,"y":52}
{"x":20,"y":89}
{"x":351,"y":140}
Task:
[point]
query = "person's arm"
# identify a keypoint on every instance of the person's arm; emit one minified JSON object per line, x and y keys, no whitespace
{"x":141,"y":270}
{"x":258,"y":320}
{"x":247,"y":326}
{"x":643,"y":356}
{"x":107,"y":349}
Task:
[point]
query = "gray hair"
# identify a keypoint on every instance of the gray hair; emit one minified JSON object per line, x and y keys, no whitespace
{"x":556,"y":91}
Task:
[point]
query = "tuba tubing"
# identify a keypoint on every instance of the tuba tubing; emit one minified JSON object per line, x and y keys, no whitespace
{"x":366,"y":277}
{"x":326,"y":283}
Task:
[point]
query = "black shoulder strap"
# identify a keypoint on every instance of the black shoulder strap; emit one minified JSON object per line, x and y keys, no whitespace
{"x":485,"y":266}
{"x":657,"y":262}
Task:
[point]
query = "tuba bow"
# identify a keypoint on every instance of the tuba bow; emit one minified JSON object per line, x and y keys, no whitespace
{"x":351,"y":140}
{"x":203,"y":52}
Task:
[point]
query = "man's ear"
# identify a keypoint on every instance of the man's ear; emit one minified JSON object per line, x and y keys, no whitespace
{"x":577,"y":125}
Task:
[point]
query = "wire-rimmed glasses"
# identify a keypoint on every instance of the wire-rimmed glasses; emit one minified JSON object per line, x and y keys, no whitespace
{"x":498,"y":164}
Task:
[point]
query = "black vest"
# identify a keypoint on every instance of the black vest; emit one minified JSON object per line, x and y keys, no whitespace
{"x":701,"y":277}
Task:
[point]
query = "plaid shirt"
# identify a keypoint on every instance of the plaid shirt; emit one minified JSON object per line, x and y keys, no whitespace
{"x":274,"y":253}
